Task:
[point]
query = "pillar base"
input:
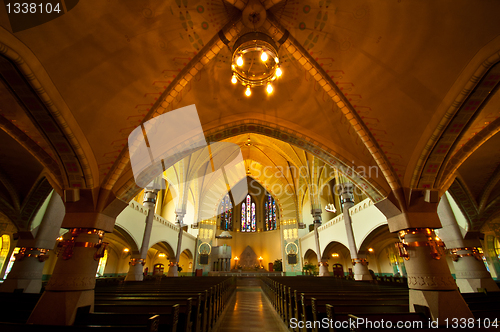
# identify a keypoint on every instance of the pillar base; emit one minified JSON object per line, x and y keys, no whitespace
{"x":26,"y":273}
{"x":441,"y":304}
{"x":173,"y":271}
{"x":135,"y":273}
{"x":472,"y":285}
{"x":361,"y":272}
{"x":323,"y":271}
{"x":59,"y":308}
{"x":27,"y":285}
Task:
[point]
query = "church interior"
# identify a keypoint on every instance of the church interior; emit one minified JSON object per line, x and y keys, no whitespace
{"x":202,"y":157}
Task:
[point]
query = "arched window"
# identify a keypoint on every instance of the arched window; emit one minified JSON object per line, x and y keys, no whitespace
{"x":248,"y":222}
{"x":270,"y":217}
{"x":226,"y":214}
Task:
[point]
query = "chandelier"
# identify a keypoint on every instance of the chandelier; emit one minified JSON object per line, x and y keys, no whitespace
{"x":255,"y":61}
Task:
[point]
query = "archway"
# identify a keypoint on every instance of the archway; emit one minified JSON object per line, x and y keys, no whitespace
{"x":159,"y":253}
{"x":383,"y":258}
{"x":4,"y":250}
{"x":338,"y":256}
{"x":310,"y":258}
{"x":186,"y":261}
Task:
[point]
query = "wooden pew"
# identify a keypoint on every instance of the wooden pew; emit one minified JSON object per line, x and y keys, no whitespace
{"x":150,"y":324}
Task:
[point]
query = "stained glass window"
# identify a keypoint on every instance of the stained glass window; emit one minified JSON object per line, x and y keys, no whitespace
{"x":248,"y":221}
{"x":226,"y":214}
{"x":270,"y":216}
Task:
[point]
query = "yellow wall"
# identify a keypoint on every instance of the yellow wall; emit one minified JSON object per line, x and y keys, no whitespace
{"x":265,"y":244}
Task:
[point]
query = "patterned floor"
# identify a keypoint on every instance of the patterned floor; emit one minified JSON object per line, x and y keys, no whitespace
{"x":250,"y":311}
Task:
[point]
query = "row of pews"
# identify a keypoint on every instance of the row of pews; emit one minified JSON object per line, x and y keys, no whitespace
{"x":336,"y":303}
{"x":303,"y":299}
{"x":186,"y":304}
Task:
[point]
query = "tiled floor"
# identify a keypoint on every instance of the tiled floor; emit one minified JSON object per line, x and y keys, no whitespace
{"x":250,"y":311}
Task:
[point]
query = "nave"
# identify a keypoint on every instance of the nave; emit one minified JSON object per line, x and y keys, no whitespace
{"x":250,"y":310}
{"x":232,"y":304}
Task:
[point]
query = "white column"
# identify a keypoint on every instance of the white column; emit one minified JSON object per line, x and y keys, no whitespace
{"x":470,"y":272}
{"x":323,"y":265}
{"x":173,"y":270}
{"x":360,"y":265}
{"x":135,"y":272}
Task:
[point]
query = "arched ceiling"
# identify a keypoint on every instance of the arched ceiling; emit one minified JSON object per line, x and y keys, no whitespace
{"x":365,"y":83}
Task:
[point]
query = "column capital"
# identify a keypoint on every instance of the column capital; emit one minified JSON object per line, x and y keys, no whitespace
{"x":316,"y":214}
{"x":38,"y":253}
{"x":457,"y":253}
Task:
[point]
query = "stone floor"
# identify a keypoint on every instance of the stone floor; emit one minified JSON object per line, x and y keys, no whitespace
{"x":250,"y":310}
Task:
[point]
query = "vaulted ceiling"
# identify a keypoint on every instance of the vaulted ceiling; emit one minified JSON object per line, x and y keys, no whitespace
{"x":406,"y":86}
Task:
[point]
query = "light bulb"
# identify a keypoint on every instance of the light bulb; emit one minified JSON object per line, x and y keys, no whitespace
{"x":248,"y":92}
{"x":263,"y":57}
{"x":269,"y":88}
{"x":276,"y":60}
{"x":278,"y":72}
{"x":233,"y":79}
{"x":239,"y":62}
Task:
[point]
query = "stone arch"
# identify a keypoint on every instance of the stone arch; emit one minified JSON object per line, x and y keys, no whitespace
{"x":337,"y":252}
{"x":310,"y":257}
{"x":127,"y":237}
{"x":56,"y":115}
{"x":186,"y":260}
{"x":165,"y":247}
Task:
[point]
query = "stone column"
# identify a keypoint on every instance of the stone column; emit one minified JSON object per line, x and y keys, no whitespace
{"x":429,"y":279}
{"x":173,"y":270}
{"x":135,"y":272}
{"x":323,"y":265}
{"x":470,"y":272}
{"x":27,"y":271}
{"x":413,"y":214}
{"x":72,"y":283}
{"x":360,"y":265}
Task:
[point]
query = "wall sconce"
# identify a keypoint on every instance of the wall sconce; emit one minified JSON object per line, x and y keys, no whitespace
{"x":236,"y":262}
{"x":370,"y":250}
{"x":335,"y":255}
{"x":126,"y":252}
{"x":162,"y":255}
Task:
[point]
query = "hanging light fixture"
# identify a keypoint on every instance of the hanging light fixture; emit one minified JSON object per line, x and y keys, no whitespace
{"x":255,"y":61}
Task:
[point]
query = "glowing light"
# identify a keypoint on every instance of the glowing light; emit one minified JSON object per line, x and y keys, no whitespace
{"x":263,"y":56}
{"x":161,"y":255}
{"x":279,"y":72}
{"x":276,"y":60}
{"x":269,"y":88}
{"x":239,"y":62}
{"x":126,"y":250}
{"x":60,"y":238}
{"x":370,"y":249}
{"x":233,"y":79}
{"x":248,"y":92}
{"x":335,"y":254}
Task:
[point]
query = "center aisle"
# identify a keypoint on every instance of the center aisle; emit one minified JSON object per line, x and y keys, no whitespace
{"x":250,"y":310}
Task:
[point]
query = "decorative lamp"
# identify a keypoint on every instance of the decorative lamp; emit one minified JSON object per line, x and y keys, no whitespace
{"x":255,"y":61}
